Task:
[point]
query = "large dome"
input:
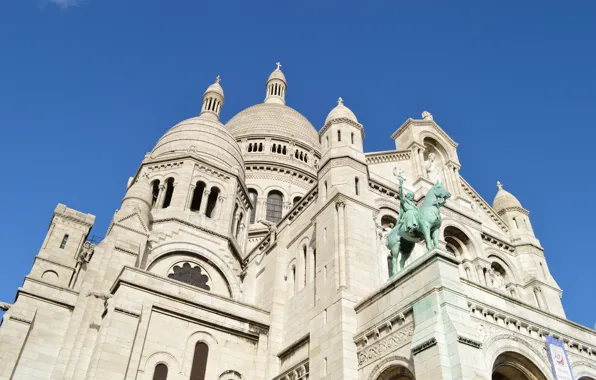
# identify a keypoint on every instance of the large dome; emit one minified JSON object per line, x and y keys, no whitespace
{"x":270,"y":119}
{"x":202,"y":137}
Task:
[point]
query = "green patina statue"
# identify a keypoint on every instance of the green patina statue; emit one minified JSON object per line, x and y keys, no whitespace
{"x":415,"y":224}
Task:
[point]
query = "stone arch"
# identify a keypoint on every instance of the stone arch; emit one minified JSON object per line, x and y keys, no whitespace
{"x":504,"y":261}
{"x":213,"y":358}
{"x":50,"y":276}
{"x":500,"y":344}
{"x":584,"y":370}
{"x":271,"y":188}
{"x":201,"y":252}
{"x":392,"y":365}
{"x":156,"y":358}
{"x":291,"y":277}
{"x":511,"y":365}
{"x":230,"y":375}
{"x":458,"y":240}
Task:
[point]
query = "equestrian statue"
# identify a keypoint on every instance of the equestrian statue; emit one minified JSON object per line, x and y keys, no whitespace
{"x":415,"y":224}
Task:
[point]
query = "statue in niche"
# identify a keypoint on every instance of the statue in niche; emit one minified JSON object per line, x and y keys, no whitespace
{"x":496,"y":279}
{"x":433,"y":173}
{"x":415,"y":224}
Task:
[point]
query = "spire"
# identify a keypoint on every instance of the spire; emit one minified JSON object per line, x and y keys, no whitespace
{"x":276,"y":87}
{"x":213,"y":99}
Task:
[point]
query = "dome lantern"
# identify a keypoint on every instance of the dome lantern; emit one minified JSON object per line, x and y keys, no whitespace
{"x":213,"y":100}
{"x":276,"y":87}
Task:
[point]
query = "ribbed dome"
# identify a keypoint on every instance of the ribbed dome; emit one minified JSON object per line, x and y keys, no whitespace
{"x":215,"y":87}
{"x":340,"y":112}
{"x":269,"y":119}
{"x":504,"y":200}
{"x":277,"y":74}
{"x":203,"y":137}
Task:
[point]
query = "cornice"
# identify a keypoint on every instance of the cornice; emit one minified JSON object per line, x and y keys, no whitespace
{"x":335,"y":162}
{"x":354,"y":124}
{"x":387,"y":156}
{"x":519,"y":209}
{"x":431,"y":123}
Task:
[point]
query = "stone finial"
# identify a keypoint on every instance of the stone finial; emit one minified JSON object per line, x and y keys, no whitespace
{"x":278,"y":65}
{"x":499,"y":185}
{"x":217,"y":79}
{"x":340,"y":101}
{"x":427,"y":115}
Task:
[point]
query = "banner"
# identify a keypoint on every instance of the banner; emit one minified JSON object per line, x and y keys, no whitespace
{"x":558,"y":359}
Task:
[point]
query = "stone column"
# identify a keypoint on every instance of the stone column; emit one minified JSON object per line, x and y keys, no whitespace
{"x":190,"y":196}
{"x":341,"y":240}
{"x":219,"y":206}
{"x":480,"y":273}
{"x":235,"y":223}
{"x":204,"y":202}
{"x":161,"y":196}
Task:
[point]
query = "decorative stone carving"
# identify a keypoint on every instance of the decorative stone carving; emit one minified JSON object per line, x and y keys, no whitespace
{"x":469,"y":342}
{"x":433,"y":173}
{"x":386,"y":345}
{"x":5,"y":306}
{"x":497,"y":280}
{"x":423,"y":346}
{"x":86,"y":252}
{"x":190,"y":275}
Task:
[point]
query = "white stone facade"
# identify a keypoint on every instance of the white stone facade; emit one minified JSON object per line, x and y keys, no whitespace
{"x":188,"y":283}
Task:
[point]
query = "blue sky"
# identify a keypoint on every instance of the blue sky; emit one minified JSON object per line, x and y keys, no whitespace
{"x":87,"y":87}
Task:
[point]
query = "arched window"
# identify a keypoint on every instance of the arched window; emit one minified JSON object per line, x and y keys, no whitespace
{"x":191,"y":275}
{"x":260,"y":147}
{"x":212,"y":202}
{"x":327,"y":141}
{"x":306,"y":158}
{"x":64,"y":240}
{"x":284,"y":151}
{"x":199,"y":362}
{"x":515,"y":222}
{"x":275,"y":202}
{"x":338,"y":135}
{"x":161,"y":372}
{"x":154,"y":191}
{"x":273,"y":148}
{"x":169,"y":192}
{"x":296,"y":200}
{"x":352,"y":137}
{"x":279,"y":149}
{"x":253,"y":195}
{"x":249,"y":149}
{"x":313,"y":265}
{"x":357,"y":186}
{"x":296,"y":154}
{"x":304,"y":266}
{"x":197,"y":196}
{"x":325,"y":189}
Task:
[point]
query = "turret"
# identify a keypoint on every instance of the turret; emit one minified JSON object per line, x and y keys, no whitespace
{"x":342,"y":135}
{"x":276,"y":87}
{"x":517,"y":218}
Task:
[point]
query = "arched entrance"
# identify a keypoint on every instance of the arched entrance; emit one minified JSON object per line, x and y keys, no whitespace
{"x":396,"y":372}
{"x":513,"y":366}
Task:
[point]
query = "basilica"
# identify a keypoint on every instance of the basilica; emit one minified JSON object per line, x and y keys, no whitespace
{"x":257,"y":250}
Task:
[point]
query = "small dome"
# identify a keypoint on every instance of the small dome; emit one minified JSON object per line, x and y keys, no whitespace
{"x":505,"y":200}
{"x":215,"y":87}
{"x":277,"y":74}
{"x":341,"y":112}
{"x":202,"y":137}
{"x":141,"y":190}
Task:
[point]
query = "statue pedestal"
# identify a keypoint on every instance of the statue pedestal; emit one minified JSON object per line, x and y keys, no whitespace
{"x":446,"y":343}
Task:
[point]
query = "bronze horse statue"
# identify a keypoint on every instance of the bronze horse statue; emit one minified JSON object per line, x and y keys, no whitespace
{"x":416,"y":224}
